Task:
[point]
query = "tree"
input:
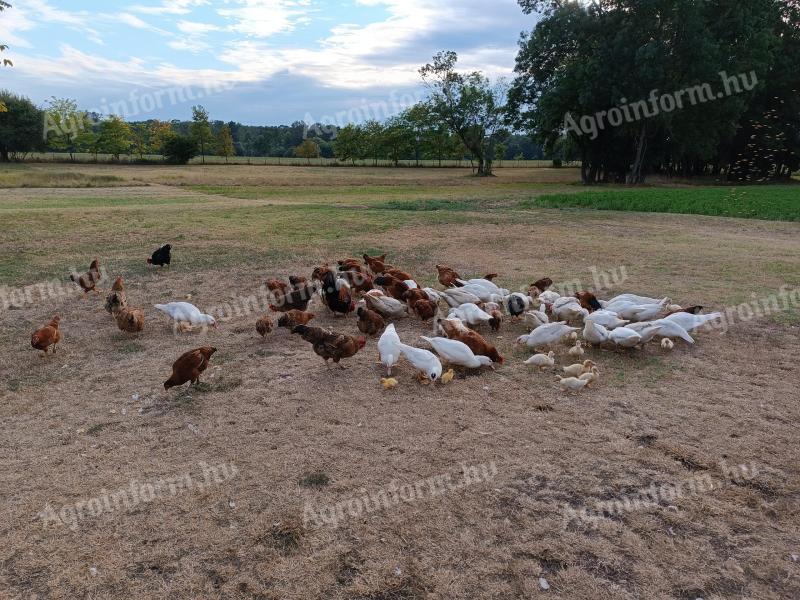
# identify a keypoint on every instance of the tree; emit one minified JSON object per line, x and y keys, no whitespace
{"x":349,"y":144}
{"x":140,"y":139}
{"x":225,"y":142}
{"x":160,"y":133}
{"x":63,"y":124}
{"x":200,"y":130}
{"x":88,"y":140}
{"x":500,"y":153}
{"x":372,"y":135}
{"x":115,"y":137}
{"x":6,"y":63}
{"x":472,"y":109}
{"x":20,"y":126}
{"x":398,"y":138}
{"x":308,"y":149}
{"x":180,"y":149}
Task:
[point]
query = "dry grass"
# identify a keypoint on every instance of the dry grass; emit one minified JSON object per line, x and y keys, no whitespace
{"x":94,"y":416}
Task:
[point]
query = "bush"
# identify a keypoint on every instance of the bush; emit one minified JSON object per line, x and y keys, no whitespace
{"x":180,"y":149}
{"x":557,"y":163}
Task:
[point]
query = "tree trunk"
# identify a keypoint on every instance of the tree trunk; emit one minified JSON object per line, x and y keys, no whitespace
{"x":4,"y":155}
{"x":636,"y":175}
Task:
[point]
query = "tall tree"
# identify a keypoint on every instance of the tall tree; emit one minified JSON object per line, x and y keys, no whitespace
{"x":308,"y":149}
{"x":200,"y":130}
{"x":115,"y":137}
{"x":63,"y":123}
{"x":225,"y":142}
{"x":160,"y":132}
{"x":349,"y":144}
{"x":20,"y":126}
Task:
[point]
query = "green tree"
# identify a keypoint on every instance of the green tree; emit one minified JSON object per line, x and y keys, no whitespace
{"x":500,"y":153}
{"x":6,"y":63}
{"x":115,"y":137}
{"x":349,"y":144}
{"x":140,"y":139}
{"x":308,"y":149}
{"x":160,"y":132}
{"x":180,"y":149}
{"x":398,"y":139}
{"x":63,"y":124}
{"x":200,"y":130}
{"x":225,"y":143}
{"x":372,"y":134}
{"x":20,"y":126}
{"x":88,"y":140}
{"x":469,"y":105}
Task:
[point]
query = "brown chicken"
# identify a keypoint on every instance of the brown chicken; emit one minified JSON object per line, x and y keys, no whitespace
{"x":413,"y":295}
{"x":541,"y":285}
{"x":294,"y":299}
{"x":264,"y":325}
{"x":89,"y":280}
{"x":497,"y":319}
{"x":297,"y":281}
{"x":376,"y":264}
{"x":349,"y":264}
{"x":395,"y":287}
{"x":189,"y":366}
{"x":47,"y":336}
{"x":425,"y":309}
{"x":116,"y":299}
{"x":588,"y":301}
{"x":447,"y":276}
{"x":359,"y":281}
{"x":293,"y":318}
{"x":369,"y":322}
{"x":330,"y":345}
{"x":397,"y":273}
{"x":490,"y":276}
{"x":277,"y":286}
{"x":471,"y":338}
{"x":129,"y":319}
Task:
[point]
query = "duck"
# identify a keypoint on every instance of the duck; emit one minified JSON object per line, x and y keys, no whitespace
{"x":594,"y":333}
{"x":542,"y":361}
{"x":384,"y":305}
{"x":667,"y":344}
{"x":455,"y":297}
{"x":638,"y":312}
{"x":536,"y":318}
{"x":184,"y":312}
{"x":470,"y":313}
{"x":648,"y":333}
{"x":458,"y":353}
{"x":607,"y":318}
{"x":633,"y":298}
{"x":389,"y":383}
{"x":691,"y":322}
{"x":548,"y":297}
{"x":669,"y":329}
{"x":590,"y":376}
{"x":546,"y":334}
{"x":572,"y":384}
{"x":577,"y":350}
{"x":424,"y":361}
{"x":517,"y":303}
{"x":389,"y":348}
{"x":569,"y":311}
{"x":489,"y":286}
{"x":624,"y":337}
{"x":433,"y":295}
{"x":578,"y":369}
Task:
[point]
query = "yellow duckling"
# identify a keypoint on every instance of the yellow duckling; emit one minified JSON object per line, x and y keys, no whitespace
{"x":542,"y":361}
{"x":578,"y":369}
{"x":388,"y":383}
{"x":572,"y":384}
{"x":577,"y":350}
{"x":448,"y":376}
{"x":667,"y":344}
{"x":591,"y":376}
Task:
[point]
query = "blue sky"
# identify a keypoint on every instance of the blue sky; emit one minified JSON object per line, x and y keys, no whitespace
{"x":254,"y":61}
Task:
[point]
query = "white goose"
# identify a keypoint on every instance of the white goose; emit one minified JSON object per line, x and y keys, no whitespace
{"x":389,"y":348}
{"x":458,"y":353}
{"x":183,"y":312}
{"x":546,"y":334}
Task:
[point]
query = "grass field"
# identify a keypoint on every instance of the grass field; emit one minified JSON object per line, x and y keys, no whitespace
{"x":94,"y":417}
{"x":775,"y":202}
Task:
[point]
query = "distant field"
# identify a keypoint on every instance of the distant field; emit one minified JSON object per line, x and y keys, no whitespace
{"x":774,"y":202}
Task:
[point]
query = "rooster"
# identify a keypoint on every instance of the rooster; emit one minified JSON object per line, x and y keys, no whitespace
{"x":88,"y":280}
{"x":330,"y":345}
{"x":336,"y":293}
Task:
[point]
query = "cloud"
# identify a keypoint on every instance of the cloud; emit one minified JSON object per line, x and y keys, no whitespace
{"x":192,"y":27}
{"x":263,"y":18}
{"x":170,"y":7}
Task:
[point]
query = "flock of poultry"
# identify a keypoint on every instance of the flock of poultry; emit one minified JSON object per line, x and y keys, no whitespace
{"x":378,"y":292}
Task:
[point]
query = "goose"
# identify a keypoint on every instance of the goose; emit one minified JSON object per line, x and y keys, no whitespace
{"x":183,"y":312}
{"x":384,"y":305}
{"x":389,"y":348}
{"x":691,"y":322}
{"x":458,"y":353}
{"x":536,"y":318}
{"x":455,"y":297}
{"x":542,"y":360}
{"x":546,"y":334}
{"x":624,"y":337}
{"x":669,"y":329}
{"x":471,"y":314}
{"x":517,"y":303}
{"x":424,"y":361}
{"x":607,"y":318}
{"x":594,"y":333}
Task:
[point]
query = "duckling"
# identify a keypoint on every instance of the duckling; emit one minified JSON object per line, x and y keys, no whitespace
{"x":578,"y":369}
{"x":577,"y":350}
{"x":667,"y":344}
{"x":388,"y":383}
{"x":447,"y":377}
{"x":591,"y":376}
{"x":542,"y":361}
{"x":572,"y":384}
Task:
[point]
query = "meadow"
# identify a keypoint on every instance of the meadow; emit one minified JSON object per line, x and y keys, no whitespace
{"x":94,"y":417}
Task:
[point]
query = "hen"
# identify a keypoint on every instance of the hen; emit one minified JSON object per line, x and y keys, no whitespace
{"x":129,"y":319}
{"x":425,"y":309}
{"x":88,"y":280}
{"x":395,"y":287}
{"x":448,"y":277}
{"x":588,"y":301}
{"x":161,"y":257}
{"x":369,"y":322}
{"x":330,"y":345}
{"x":47,"y":336}
{"x":116,"y":299}
{"x":264,"y":325}
{"x":376,"y":264}
{"x":189,"y":366}
{"x":292,"y":299}
{"x":293,"y":318}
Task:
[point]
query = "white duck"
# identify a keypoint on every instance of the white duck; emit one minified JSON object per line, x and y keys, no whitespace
{"x":433,"y":295}
{"x":624,"y":337}
{"x":548,"y":297}
{"x":669,"y":329}
{"x":633,"y":298}
{"x":542,"y":360}
{"x":470,"y":313}
{"x":183,"y":312}
{"x":517,"y":303}
{"x":569,"y":311}
{"x":546,"y":334}
{"x":594,"y":333}
{"x":389,"y":348}
{"x":649,"y":332}
{"x":385,"y":305}
{"x":536,"y":318}
{"x":484,"y":283}
{"x":455,"y":297}
{"x":638,"y":312}
{"x":458,"y":353}
{"x":607,"y":318}
{"x":424,"y":361}
{"x":691,"y":322}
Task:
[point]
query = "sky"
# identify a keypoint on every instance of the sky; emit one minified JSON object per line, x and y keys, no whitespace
{"x":254,"y":61}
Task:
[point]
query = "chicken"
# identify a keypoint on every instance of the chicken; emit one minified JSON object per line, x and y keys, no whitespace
{"x":497,"y":319}
{"x":396,"y":288}
{"x":448,"y":277}
{"x":292,"y":318}
{"x":425,"y":309}
{"x":490,"y":276}
{"x":336,"y":293}
{"x":369,"y":321}
{"x":359,"y":282}
{"x":116,"y":299}
{"x":588,"y":301}
{"x":264,"y":325}
{"x":88,"y":280}
{"x":376,"y":264}
{"x":541,"y":286}
{"x":47,"y":336}
{"x":129,"y":319}
{"x":411,"y":296}
{"x":190,"y":366}
{"x":398,"y":274}
{"x":297,"y":281}
{"x":330,"y":345}
{"x":277,"y":286}
{"x":349,"y":264}
{"x":161,"y":257}
{"x":292,"y":299}
{"x":455,"y":330}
